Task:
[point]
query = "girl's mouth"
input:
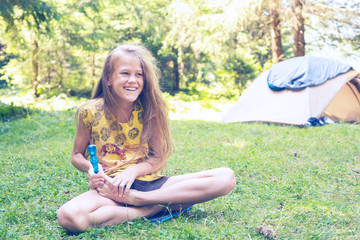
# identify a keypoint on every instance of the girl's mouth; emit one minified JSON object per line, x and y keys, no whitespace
{"x":130,"y":88}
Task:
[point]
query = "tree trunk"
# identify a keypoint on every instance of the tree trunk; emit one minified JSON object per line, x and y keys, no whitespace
{"x":176,"y":75}
{"x":276,"y":45}
{"x":35,"y":67}
{"x":176,"y":72}
{"x":61,"y":77}
{"x":298,"y":28}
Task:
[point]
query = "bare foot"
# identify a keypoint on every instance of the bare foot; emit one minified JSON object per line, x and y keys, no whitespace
{"x":130,"y":198}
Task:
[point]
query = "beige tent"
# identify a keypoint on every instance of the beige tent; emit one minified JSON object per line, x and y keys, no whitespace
{"x":338,"y":98}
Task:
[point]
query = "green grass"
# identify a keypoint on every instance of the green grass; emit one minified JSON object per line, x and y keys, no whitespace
{"x":301,"y":182}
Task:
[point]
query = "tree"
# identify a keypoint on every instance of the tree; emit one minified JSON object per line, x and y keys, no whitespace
{"x":334,"y":23}
{"x":61,"y":46}
{"x":89,"y":34}
{"x":298,"y":28}
{"x":210,"y":38}
{"x":4,"y":60}
{"x":277,"y":50}
{"x":35,"y":17}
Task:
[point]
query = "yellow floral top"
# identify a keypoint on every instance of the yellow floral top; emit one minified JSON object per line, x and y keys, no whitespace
{"x":116,"y":143}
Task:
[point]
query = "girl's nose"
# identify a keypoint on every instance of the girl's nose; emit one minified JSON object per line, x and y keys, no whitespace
{"x":132,"y":78}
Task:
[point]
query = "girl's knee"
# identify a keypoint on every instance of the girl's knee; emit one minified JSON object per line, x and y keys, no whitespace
{"x":70,"y":220}
{"x":227,"y":177}
{"x":65,"y":217}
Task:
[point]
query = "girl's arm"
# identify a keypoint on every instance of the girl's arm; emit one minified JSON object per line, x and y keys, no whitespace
{"x":81,"y":142}
{"x":121,"y":184}
{"x":148,"y":165}
{"x":82,"y":138}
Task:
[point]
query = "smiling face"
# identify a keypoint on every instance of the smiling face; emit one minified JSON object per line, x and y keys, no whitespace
{"x":127,"y":80}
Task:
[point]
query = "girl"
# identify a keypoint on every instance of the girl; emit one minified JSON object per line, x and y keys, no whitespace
{"x":127,"y":121}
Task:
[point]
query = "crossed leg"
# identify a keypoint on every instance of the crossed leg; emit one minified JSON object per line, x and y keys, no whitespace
{"x":90,"y":209}
{"x":191,"y":188}
{"x":186,"y":189}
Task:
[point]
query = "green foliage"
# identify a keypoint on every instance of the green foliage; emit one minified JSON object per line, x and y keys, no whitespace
{"x":59,"y":46}
{"x":212,"y":91}
{"x":34,"y":13}
{"x":80,"y":33}
{"x":11,"y":112}
{"x":4,"y":60}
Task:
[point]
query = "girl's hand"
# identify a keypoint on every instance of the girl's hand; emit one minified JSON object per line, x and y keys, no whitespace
{"x":120,"y":185}
{"x":106,"y":191}
{"x":96,"y":179}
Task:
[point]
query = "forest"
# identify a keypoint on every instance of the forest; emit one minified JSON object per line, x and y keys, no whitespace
{"x":292,"y":183}
{"x":58,"y":46}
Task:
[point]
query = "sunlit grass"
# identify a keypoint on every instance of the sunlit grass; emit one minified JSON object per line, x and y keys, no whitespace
{"x":302,"y":183}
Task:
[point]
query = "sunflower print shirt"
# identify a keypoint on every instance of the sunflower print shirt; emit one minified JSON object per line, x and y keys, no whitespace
{"x":116,"y":143}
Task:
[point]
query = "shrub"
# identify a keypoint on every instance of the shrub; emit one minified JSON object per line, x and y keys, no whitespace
{"x":11,"y":112}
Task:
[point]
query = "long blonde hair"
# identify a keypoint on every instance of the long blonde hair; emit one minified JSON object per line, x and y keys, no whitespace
{"x":156,"y":129}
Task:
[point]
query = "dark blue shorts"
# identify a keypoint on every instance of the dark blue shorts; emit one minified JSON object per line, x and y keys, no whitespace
{"x":146,"y":186}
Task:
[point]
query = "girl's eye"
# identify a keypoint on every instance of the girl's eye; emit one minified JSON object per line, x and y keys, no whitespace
{"x":124,"y":73}
{"x":139,"y":74}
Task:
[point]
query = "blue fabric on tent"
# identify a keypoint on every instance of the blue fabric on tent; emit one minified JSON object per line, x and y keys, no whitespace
{"x":301,"y":72}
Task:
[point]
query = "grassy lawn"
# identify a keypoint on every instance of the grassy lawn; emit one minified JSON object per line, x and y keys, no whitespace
{"x":300,"y":183}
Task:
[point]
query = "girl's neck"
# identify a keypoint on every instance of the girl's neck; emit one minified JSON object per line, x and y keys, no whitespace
{"x":122,"y":112}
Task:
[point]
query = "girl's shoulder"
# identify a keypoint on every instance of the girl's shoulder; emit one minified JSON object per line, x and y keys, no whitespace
{"x":88,"y":109}
{"x":93,"y":104}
